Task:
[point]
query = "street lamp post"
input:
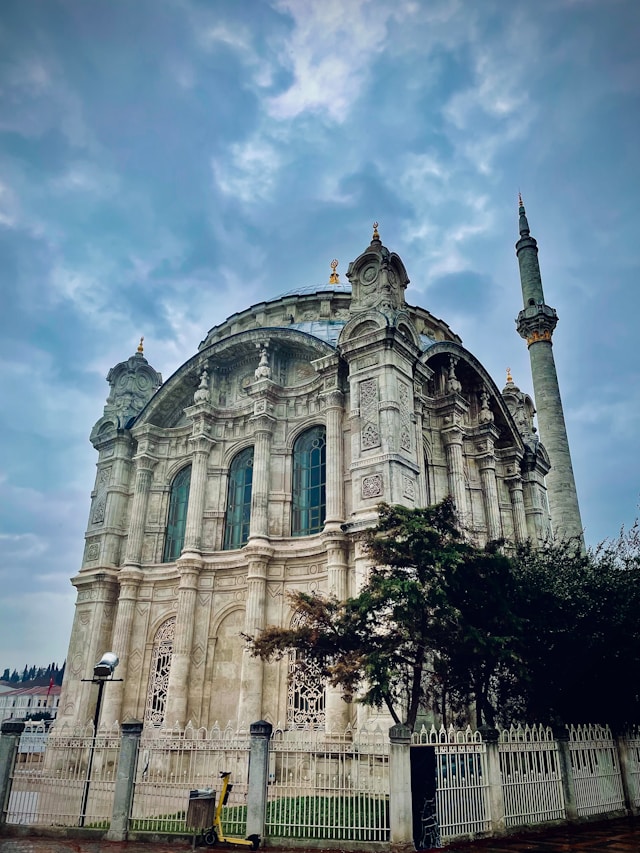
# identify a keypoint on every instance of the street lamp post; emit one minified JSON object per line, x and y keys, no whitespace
{"x":102,"y":672}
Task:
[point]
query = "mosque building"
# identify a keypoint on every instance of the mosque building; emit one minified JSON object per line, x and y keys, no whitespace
{"x":250,"y":472}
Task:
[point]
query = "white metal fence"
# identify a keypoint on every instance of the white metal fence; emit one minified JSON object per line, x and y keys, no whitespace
{"x":596,"y":770}
{"x":50,"y":785}
{"x":329,"y":785}
{"x":173,"y":762}
{"x":531,"y":776}
{"x":633,"y":765}
{"x":462,"y":787}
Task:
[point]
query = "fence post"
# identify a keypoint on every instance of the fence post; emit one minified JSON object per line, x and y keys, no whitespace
{"x":496,"y":794}
{"x":260,"y":733}
{"x":9,"y":739}
{"x":561,"y":734}
{"x":400,"y":801}
{"x":626,"y":774}
{"x":125,"y":776}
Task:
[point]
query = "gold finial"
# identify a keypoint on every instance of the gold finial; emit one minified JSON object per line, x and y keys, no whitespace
{"x":140,"y":347}
{"x":509,"y":376}
{"x":334,"y":278}
{"x":376,"y":236}
{"x":520,"y":202}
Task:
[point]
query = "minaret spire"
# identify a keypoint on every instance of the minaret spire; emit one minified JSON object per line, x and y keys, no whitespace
{"x":536,"y":323}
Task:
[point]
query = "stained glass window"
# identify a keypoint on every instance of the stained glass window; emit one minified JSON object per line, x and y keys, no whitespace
{"x":236,"y":529}
{"x":177,"y":519}
{"x":309,"y":482}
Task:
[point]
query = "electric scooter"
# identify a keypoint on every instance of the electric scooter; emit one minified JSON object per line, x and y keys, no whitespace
{"x":215,"y":833}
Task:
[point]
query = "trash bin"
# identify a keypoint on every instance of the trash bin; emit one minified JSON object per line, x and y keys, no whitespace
{"x":202,"y":805}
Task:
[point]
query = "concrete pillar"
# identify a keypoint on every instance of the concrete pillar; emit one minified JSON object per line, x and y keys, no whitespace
{"x":517,"y":507}
{"x":197,"y":492}
{"x":129,"y":579}
{"x":140,"y":501}
{"x":178,"y":687}
{"x":9,"y":739}
{"x":487,"y":465}
{"x":627,"y":766}
{"x":400,"y":797}
{"x":561,"y":735}
{"x":125,"y":777}
{"x":260,"y":734}
{"x":496,"y":795}
{"x":453,"y":439}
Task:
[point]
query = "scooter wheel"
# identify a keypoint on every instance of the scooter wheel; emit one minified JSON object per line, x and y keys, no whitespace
{"x":210,"y":837}
{"x":255,"y":841}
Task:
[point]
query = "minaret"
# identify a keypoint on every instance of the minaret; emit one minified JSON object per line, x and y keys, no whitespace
{"x":536,"y":323}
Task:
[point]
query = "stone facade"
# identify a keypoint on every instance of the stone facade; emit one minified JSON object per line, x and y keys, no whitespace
{"x":294,"y":418}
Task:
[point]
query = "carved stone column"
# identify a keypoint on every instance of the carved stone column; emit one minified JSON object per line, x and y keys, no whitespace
{"x":334,"y":408}
{"x":202,"y":445}
{"x":145,"y":463}
{"x":129,"y":579}
{"x":517,"y":506}
{"x":336,"y":545}
{"x":178,"y":687}
{"x":487,"y":464}
{"x":263,"y":425}
{"x":252,"y":673}
{"x":453,"y":437}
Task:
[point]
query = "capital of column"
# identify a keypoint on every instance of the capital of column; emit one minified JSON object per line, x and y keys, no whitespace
{"x":145,"y":462}
{"x":130,"y":578}
{"x":258,"y":549}
{"x":189,"y":567}
{"x":333,"y":399}
{"x":262,"y":422}
{"x":536,"y":323}
{"x":201,"y":444}
{"x":453,"y":434}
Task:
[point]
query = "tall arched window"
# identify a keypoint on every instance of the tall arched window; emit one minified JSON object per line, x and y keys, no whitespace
{"x":236,"y":529}
{"x":159,"y":673}
{"x":309,"y":482}
{"x":306,"y":695}
{"x":177,"y":518}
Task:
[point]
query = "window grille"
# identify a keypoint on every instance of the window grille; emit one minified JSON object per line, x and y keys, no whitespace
{"x":236,"y":532}
{"x":177,"y":518}
{"x":159,"y":674}
{"x":309,"y":482}
{"x":305,"y":689}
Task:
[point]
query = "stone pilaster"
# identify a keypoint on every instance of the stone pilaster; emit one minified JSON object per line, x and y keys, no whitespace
{"x":252,"y":673}
{"x":486,"y":460}
{"x":514,"y":483}
{"x":336,"y":545}
{"x":201,"y":444}
{"x":145,"y":463}
{"x":453,"y":437}
{"x":263,"y":426}
{"x":129,"y":579}
{"x":334,"y":408}
{"x":178,"y":687}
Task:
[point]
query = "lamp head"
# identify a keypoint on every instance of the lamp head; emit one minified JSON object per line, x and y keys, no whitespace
{"x":105,"y":666}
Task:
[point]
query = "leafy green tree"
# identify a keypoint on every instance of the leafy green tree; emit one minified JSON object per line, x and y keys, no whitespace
{"x":580,"y":632}
{"x":432,"y":619}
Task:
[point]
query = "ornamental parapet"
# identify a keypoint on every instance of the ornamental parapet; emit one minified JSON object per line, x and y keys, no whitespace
{"x":536,"y":323}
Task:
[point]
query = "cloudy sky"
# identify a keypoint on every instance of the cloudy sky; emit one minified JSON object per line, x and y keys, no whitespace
{"x":164,"y":163}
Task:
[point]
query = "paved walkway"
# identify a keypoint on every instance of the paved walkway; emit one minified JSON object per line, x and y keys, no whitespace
{"x":616,"y":836}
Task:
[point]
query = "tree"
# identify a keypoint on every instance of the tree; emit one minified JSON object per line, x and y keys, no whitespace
{"x":581,"y":635}
{"x":428,"y":620}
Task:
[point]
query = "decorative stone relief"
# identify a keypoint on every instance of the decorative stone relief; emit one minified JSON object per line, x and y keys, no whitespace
{"x":409,"y":488}
{"x":92,"y":550}
{"x":453,"y":384}
{"x":372,"y":486}
{"x":405,"y":439}
{"x":370,"y":435}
